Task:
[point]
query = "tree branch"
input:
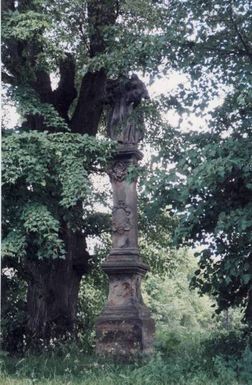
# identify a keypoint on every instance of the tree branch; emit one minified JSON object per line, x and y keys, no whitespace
{"x":101,"y":13}
{"x":66,"y":91}
{"x":8,"y":5}
{"x":239,"y":34}
{"x":90,"y":103}
{"x":7,"y":78}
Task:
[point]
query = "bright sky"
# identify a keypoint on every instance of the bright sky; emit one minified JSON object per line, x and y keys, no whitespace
{"x":164,"y":85}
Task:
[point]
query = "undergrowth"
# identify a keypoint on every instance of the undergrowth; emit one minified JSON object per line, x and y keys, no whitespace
{"x":180,"y":359}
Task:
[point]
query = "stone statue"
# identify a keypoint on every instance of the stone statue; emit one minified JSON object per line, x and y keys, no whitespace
{"x":125,"y":329}
{"x":123,"y":96}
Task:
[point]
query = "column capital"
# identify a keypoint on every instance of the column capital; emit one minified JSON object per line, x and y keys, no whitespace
{"x":125,"y":267}
{"x":124,"y":157}
{"x":128,"y":151}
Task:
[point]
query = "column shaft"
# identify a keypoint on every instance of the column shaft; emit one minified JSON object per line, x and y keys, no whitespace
{"x":125,"y":328}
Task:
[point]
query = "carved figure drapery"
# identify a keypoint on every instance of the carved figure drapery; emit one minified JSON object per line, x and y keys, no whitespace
{"x":125,"y":121}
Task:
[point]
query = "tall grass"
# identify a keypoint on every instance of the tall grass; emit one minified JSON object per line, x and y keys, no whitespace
{"x":191,"y":347}
{"x":180,"y":359}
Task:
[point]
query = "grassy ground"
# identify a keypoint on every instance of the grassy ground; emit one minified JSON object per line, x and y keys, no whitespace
{"x":179,"y":360}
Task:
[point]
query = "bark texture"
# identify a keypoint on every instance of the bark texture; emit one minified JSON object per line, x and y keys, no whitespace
{"x":53,"y":285}
{"x":53,"y":291}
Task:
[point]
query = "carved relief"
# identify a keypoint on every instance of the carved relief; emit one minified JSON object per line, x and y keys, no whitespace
{"x":120,"y":291}
{"x":121,"y":218}
{"x":118,"y":171}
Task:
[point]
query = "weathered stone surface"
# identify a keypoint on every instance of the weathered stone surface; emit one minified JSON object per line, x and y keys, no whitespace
{"x":125,"y":339}
{"x":123,"y":96}
{"x":125,"y":328}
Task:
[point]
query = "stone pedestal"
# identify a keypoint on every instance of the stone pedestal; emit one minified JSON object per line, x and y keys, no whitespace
{"x":125,"y":328}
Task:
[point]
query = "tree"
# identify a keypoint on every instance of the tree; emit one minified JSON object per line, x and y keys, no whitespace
{"x":210,"y":186}
{"x":46,"y":190}
{"x":44,"y":175}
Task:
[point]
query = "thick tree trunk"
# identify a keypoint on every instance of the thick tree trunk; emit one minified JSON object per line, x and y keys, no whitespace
{"x":52,"y":296}
{"x":88,"y":111}
{"x":53,"y":285}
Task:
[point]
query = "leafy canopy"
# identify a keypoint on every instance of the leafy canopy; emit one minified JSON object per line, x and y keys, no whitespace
{"x":209,"y":187}
{"x":44,"y":175}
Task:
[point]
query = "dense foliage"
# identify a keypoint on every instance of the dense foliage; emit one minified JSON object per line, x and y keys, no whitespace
{"x":209,"y":185}
{"x":57,"y":58}
{"x":43,"y":176}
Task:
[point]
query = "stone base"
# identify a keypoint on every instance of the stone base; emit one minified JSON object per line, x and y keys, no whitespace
{"x":125,"y":334}
{"x":125,"y":328}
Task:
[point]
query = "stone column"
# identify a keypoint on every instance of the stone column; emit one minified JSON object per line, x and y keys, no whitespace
{"x":125,"y":328}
